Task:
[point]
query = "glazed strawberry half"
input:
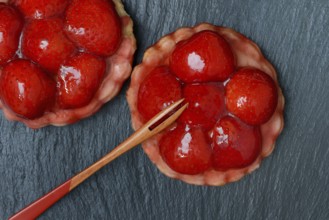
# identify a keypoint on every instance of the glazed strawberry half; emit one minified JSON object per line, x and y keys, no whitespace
{"x":61,"y":60}
{"x":235,"y":110}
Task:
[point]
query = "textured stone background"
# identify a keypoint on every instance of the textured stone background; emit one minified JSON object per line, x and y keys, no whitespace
{"x":291,"y":184}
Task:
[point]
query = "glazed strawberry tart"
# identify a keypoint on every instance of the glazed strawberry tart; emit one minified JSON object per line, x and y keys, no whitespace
{"x":235,"y":111}
{"x":61,"y":60}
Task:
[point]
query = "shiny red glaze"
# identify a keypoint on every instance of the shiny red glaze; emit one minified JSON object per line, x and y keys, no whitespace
{"x":78,"y":80}
{"x":25,"y":89}
{"x":94,"y":26}
{"x":206,"y":104}
{"x":235,"y":144}
{"x":186,"y":150}
{"x":45,"y":43}
{"x":39,"y":9}
{"x":11,"y":25}
{"x":157,"y":91}
{"x":204,"y":57}
{"x":252,"y":96}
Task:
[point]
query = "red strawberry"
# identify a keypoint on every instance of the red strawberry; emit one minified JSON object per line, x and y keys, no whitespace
{"x":204,"y":57}
{"x":11,"y":25}
{"x":94,"y":25}
{"x":158,"y":90}
{"x":39,"y":9}
{"x":235,"y":144}
{"x":78,"y":80}
{"x":44,"y":42}
{"x":252,"y":96}
{"x":186,"y":150}
{"x":25,"y":89}
{"x":206,"y":104}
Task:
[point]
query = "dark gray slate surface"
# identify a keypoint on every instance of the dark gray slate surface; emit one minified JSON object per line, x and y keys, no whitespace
{"x":292,"y":184}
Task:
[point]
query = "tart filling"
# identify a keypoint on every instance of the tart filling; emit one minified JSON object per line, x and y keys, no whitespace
{"x":232,"y":121}
{"x":87,"y":62}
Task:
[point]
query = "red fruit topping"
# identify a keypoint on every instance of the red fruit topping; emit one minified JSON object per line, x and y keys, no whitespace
{"x":186,"y":150}
{"x":159,"y":90}
{"x":44,"y":42}
{"x":94,"y":25}
{"x":204,"y":57}
{"x":25,"y":89}
{"x":10,"y":27}
{"x":79,"y":79}
{"x":235,"y":144}
{"x":206,"y":104}
{"x":40,"y":9}
{"x":252,"y":96}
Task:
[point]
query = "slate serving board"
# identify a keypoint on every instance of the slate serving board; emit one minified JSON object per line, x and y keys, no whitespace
{"x":291,"y":184}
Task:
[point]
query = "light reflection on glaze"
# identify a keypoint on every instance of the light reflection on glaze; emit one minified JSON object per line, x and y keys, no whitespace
{"x":44,"y":44}
{"x":21,"y":90}
{"x":185,"y":147}
{"x":77,"y":31}
{"x":195,"y":62}
{"x":70,"y":74}
{"x":211,"y":134}
{"x":241,"y":101}
{"x":166,"y":104}
{"x":1,"y":37}
{"x":222,"y":137}
{"x":187,"y":128}
{"x":38,"y":14}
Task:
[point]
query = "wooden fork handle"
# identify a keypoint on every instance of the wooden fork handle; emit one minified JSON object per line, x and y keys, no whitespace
{"x":42,"y":204}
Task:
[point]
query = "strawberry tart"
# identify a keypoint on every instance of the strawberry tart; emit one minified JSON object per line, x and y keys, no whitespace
{"x":61,"y":60}
{"x":235,"y":111}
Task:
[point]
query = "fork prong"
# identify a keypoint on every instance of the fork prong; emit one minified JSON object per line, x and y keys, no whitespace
{"x":156,"y":119}
{"x":169,"y":120}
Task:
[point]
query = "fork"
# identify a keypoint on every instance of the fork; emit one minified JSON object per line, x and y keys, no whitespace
{"x":157,"y":124}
